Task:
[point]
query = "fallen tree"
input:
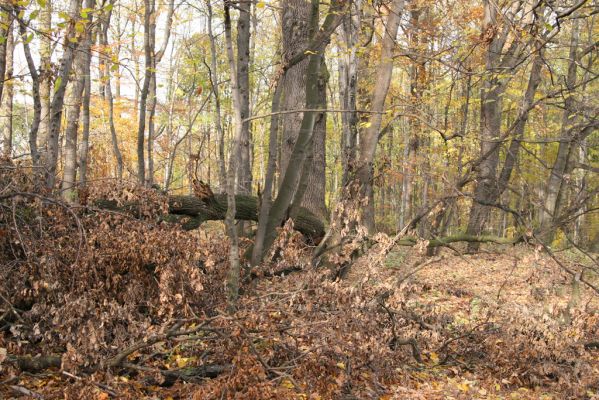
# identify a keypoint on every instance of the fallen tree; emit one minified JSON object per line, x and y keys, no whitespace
{"x":192,"y":211}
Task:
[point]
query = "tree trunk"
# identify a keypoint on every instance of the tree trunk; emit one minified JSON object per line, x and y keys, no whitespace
{"x":45,"y":78}
{"x":60,"y":85}
{"x":222,"y":175}
{"x":348,"y":87}
{"x":491,"y":96}
{"x":234,"y":264}
{"x":73,"y":108}
{"x":85,"y":120}
{"x":5,"y":28}
{"x":244,"y":181}
{"x":141,"y":129}
{"x":554,"y":184}
{"x":370,"y":136}
{"x":296,"y":37}
{"x":35,"y":86}
{"x":6,"y":106}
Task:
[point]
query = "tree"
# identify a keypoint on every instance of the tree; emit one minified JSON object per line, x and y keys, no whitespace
{"x":7,"y":91}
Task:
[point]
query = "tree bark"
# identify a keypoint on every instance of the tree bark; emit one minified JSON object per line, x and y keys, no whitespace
{"x":5,"y":27}
{"x":244,"y":181}
{"x":60,"y":86}
{"x":555,"y":181}
{"x":296,"y":35}
{"x":369,"y":138}
{"x":214,"y":209}
{"x":35,"y":86}
{"x":141,"y":129}
{"x":45,"y":78}
{"x":73,"y":109}
{"x":6,"y":107}
{"x":348,"y":87}
{"x":234,"y":265}
{"x":222,"y":174}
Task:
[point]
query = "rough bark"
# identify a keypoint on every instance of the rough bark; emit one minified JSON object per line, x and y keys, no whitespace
{"x":73,"y":110}
{"x":5,"y":27}
{"x":244,"y":181}
{"x":35,"y":86}
{"x":296,"y":35}
{"x":222,"y":178}
{"x":370,"y":136}
{"x":234,"y":265}
{"x":491,"y":95}
{"x":556,"y":177}
{"x":214,"y":209}
{"x":141,"y":128}
{"x":45,"y":77}
{"x":6,"y":106}
{"x":60,"y":86}
{"x":85,"y":122}
{"x":274,"y":215}
{"x":348,"y":88}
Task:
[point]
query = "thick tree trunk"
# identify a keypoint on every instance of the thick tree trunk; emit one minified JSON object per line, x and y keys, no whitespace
{"x":370,"y":136}
{"x":197,"y":211}
{"x":296,"y":37}
{"x":6,"y":107}
{"x":491,"y":96}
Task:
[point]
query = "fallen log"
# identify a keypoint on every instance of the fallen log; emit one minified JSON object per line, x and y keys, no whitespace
{"x":214,"y":208}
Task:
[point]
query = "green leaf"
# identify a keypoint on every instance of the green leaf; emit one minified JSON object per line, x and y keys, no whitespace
{"x":41,"y":3}
{"x":57,"y":84}
{"x":29,"y":38}
{"x":34,"y":15}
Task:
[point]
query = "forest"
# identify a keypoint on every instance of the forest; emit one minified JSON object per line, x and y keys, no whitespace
{"x":299,"y":199}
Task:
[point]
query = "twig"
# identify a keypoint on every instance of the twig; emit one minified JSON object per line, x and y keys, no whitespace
{"x":24,"y":391}
{"x":105,"y":388}
{"x":171,"y":333}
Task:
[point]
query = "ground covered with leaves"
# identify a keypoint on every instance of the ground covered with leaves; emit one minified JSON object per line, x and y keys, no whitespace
{"x":99,"y":304}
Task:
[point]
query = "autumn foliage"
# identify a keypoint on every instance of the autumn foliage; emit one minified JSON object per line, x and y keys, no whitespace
{"x":89,"y":285}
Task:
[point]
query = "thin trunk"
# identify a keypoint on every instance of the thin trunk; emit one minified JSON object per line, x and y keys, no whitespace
{"x":5,"y":27}
{"x":6,"y":106}
{"x":348,"y":87}
{"x":73,"y":110}
{"x":222,"y":175}
{"x":243,"y":80}
{"x":45,"y":77}
{"x":35,"y":86}
{"x":60,"y":85}
{"x":555,"y":181}
{"x":141,"y":129}
{"x":234,"y":263}
{"x":266,"y":200}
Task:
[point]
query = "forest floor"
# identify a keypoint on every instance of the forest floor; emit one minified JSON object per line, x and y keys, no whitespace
{"x":149,"y":321}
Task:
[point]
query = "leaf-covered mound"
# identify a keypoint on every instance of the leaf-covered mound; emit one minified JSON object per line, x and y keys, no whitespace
{"x":134,"y":308}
